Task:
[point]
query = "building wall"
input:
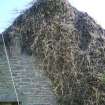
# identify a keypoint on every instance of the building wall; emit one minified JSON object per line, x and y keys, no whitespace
{"x":32,"y":85}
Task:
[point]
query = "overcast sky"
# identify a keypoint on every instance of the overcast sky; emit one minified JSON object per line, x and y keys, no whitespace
{"x":8,"y":10}
{"x":95,"y":8}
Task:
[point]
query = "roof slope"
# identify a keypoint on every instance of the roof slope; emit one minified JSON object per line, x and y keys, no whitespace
{"x":71,"y":47}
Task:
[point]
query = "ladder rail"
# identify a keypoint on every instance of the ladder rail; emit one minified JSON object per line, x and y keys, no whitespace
{"x":7,"y":57}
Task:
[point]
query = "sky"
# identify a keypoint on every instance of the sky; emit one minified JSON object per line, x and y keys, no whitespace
{"x":9,"y":10}
{"x":95,"y":8}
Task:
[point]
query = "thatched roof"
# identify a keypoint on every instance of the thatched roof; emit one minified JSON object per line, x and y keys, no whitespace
{"x":71,"y":47}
